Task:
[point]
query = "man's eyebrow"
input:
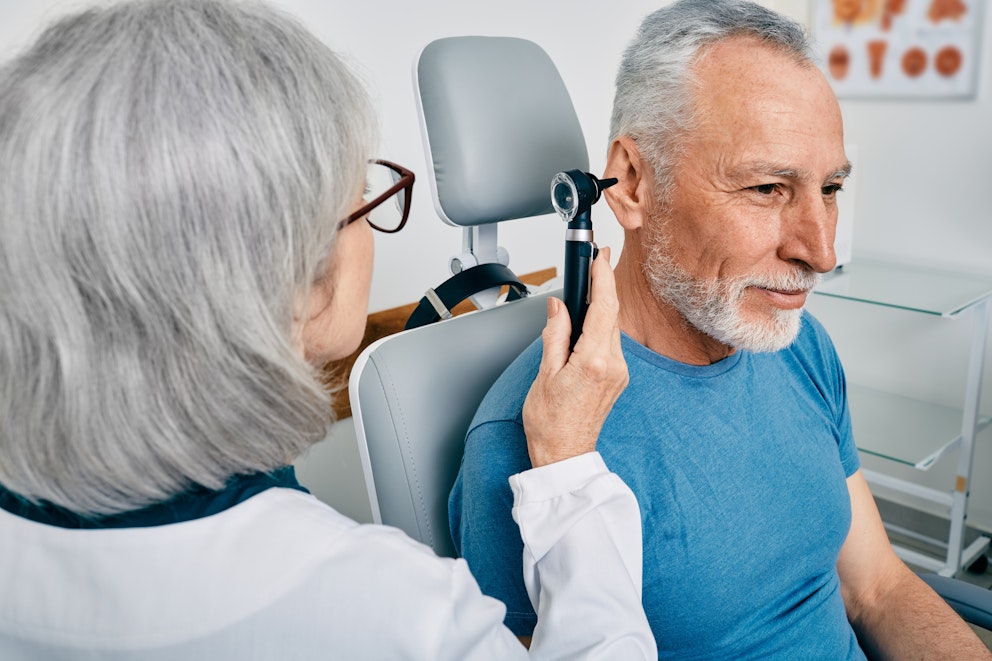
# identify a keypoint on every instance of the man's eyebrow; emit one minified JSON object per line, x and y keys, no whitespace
{"x":843,"y":173}
{"x":767,"y":168}
{"x":778,"y":170}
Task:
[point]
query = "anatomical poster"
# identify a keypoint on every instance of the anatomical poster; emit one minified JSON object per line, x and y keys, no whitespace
{"x":899,"y":48}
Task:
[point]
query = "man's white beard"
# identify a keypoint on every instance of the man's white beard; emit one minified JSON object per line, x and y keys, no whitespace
{"x":714,"y":307}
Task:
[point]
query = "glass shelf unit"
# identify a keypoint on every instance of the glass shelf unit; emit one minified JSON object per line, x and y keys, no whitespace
{"x":911,"y":432}
{"x":918,"y":433}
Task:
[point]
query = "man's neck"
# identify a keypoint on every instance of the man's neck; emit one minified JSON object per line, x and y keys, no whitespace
{"x":657,"y":325}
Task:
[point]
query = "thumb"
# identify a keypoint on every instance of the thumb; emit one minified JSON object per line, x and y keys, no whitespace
{"x":556,"y":336}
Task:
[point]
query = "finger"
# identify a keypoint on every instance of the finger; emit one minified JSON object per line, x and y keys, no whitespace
{"x":556,"y":337}
{"x":603,"y":286}
{"x":612,"y":298}
{"x":601,"y":324}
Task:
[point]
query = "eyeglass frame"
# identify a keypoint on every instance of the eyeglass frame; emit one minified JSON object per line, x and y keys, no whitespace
{"x":406,"y":181}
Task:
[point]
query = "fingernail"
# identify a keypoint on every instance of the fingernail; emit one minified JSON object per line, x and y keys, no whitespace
{"x":552,"y":306}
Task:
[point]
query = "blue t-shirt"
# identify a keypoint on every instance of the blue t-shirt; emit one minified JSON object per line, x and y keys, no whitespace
{"x":740,"y":472}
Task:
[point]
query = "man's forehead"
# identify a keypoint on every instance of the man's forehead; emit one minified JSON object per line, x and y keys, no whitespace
{"x":741,"y":79}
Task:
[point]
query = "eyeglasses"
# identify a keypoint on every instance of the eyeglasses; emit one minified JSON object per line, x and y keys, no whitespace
{"x":388,"y":189}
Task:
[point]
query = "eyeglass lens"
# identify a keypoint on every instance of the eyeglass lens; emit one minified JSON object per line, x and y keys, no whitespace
{"x":388,"y":215}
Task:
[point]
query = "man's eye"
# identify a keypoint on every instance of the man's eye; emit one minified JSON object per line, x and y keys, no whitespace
{"x":832,"y":189}
{"x":765,"y":189}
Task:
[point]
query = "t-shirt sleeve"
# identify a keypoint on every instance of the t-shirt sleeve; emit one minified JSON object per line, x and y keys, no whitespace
{"x":849,"y":458}
{"x":835,"y":386}
{"x":480,"y":513}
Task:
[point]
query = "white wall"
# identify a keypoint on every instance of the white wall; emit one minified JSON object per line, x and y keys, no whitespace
{"x":923,"y":170}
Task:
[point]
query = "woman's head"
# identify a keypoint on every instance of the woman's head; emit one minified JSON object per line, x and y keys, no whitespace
{"x":172,"y":174}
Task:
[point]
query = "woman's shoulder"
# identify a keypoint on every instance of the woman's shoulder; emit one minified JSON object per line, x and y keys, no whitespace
{"x":381,"y":572}
{"x":297,"y":545}
{"x":297,"y":515}
{"x":281,"y":554}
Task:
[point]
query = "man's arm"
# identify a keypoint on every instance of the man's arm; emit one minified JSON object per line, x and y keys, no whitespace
{"x":894,"y":613}
{"x":482,"y":526}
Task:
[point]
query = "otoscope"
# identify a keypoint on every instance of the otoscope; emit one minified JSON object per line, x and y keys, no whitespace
{"x":572,"y":194}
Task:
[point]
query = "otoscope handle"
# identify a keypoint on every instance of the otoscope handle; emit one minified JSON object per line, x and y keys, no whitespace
{"x":579,"y":256}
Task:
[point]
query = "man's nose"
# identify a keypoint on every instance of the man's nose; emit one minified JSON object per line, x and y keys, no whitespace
{"x":808,"y":233}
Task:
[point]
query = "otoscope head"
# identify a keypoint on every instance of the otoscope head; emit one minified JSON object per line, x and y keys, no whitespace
{"x":574,"y":192}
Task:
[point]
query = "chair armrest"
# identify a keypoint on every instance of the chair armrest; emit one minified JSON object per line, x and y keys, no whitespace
{"x":971,"y":602}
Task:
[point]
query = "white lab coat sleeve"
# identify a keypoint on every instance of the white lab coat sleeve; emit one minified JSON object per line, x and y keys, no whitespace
{"x":581,"y":528}
{"x":472,"y":627}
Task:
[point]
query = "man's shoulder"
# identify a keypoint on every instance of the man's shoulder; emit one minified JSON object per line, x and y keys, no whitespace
{"x":505,"y":399}
{"x":813,"y":353}
{"x":813,"y":337}
{"x":812,"y":326}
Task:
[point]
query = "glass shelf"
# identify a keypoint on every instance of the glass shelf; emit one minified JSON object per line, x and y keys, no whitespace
{"x":906,"y":287}
{"x":908,"y":431}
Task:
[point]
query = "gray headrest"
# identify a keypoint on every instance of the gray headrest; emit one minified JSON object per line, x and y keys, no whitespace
{"x":498,"y":125}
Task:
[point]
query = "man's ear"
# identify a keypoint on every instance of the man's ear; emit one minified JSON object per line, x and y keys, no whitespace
{"x":629,"y":196}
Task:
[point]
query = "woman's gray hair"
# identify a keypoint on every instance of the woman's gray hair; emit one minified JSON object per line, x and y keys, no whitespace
{"x":172,"y":173}
{"x":653,"y":103}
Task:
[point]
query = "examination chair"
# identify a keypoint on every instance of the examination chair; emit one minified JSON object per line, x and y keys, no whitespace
{"x":498,"y":124}
{"x":971,"y":602}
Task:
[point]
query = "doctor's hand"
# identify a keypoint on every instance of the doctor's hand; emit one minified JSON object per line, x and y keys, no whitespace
{"x":574,"y":392}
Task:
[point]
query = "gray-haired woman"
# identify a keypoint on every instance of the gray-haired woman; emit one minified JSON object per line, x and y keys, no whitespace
{"x":183,"y":236}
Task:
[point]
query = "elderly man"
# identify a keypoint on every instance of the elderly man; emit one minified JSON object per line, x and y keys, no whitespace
{"x":761,"y":536}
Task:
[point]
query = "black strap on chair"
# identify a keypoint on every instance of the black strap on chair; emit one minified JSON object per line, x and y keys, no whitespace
{"x":437,"y":302}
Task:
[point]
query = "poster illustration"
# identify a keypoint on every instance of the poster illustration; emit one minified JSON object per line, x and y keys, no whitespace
{"x":898,"y":48}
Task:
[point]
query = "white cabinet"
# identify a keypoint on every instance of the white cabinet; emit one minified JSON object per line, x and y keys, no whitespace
{"x":911,"y":432}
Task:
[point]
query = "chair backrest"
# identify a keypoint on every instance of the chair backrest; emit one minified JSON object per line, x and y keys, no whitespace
{"x":413,"y":396}
{"x":498,"y":124}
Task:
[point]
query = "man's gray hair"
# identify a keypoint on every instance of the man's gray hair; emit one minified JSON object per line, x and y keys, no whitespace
{"x":653,"y":103}
{"x":172,"y":173}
